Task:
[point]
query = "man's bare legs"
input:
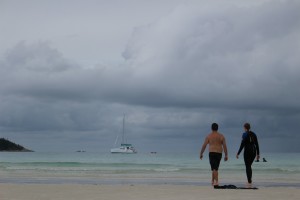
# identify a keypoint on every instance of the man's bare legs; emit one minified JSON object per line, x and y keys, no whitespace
{"x":215,"y":177}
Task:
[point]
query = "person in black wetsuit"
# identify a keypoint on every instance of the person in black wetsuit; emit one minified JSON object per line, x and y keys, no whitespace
{"x":251,"y":150}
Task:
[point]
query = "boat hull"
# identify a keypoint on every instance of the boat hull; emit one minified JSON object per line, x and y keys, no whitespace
{"x":124,"y":148}
{"x":122,"y":151}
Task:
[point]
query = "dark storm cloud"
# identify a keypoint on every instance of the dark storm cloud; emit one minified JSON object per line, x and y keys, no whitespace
{"x":194,"y":66}
{"x":233,"y":57}
{"x":230,"y":57}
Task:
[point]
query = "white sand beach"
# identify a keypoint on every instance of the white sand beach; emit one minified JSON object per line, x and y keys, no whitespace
{"x":138,"y":192}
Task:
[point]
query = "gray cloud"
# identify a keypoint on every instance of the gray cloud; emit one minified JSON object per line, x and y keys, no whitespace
{"x":228,"y":58}
{"x":194,"y":66}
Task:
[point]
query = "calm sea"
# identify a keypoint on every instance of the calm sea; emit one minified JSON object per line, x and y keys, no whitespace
{"x":161,"y":168}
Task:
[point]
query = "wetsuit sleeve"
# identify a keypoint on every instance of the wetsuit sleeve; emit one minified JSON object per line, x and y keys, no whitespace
{"x":257,"y":146}
{"x":241,"y":146}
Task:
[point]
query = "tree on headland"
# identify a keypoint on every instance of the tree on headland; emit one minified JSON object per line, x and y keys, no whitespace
{"x":6,"y":145}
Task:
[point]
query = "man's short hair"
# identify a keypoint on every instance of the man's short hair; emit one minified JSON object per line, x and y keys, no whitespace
{"x":214,"y":127}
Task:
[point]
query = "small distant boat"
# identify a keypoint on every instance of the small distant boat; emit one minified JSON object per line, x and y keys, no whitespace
{"x":80,"y":151}
{"x":125,"y":148}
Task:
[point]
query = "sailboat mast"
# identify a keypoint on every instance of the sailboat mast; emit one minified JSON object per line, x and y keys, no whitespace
{"x":123,"y":135}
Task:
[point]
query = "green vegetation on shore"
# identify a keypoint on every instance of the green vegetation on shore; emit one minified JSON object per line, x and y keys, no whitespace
{"x":6,"y":145}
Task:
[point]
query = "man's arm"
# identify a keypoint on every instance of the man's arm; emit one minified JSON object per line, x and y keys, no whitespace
{"x":257,"y":148}
{"x":241,"y":148}
{"x":203,"y":147}
{"x":225,"y":149}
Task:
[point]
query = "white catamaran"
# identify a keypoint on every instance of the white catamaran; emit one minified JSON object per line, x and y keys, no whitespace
{"x":125,"y":147}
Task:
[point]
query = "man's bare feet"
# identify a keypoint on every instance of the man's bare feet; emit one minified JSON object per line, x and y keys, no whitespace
{"x":248,"y":185}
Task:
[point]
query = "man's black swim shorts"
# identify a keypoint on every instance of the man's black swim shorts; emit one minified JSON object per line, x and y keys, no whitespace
{"x":214,"y":160}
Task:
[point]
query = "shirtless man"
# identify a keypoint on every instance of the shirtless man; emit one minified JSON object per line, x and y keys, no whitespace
{"x":216,"y":143}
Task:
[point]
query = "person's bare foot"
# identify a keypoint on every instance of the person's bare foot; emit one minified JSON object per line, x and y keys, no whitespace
{"x":248,"y":185}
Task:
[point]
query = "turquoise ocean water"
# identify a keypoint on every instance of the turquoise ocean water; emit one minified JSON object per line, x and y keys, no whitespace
{"x":161,"y":168}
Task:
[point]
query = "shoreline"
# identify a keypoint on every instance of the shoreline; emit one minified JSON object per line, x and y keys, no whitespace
{"x":113,"y":181}
{"x":93,"y":178}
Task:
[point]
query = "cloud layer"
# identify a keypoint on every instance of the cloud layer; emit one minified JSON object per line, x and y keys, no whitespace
{"x":198,"y":64}
{"x":231,"y":56}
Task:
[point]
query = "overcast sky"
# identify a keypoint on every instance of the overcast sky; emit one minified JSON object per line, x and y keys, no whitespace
{"x":70,"y":69}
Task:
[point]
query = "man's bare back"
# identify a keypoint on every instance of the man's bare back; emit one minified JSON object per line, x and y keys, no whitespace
{"x":215,"y":141}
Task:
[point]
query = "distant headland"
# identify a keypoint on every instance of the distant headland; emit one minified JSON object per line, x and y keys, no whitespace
{"x":8,"y":146}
